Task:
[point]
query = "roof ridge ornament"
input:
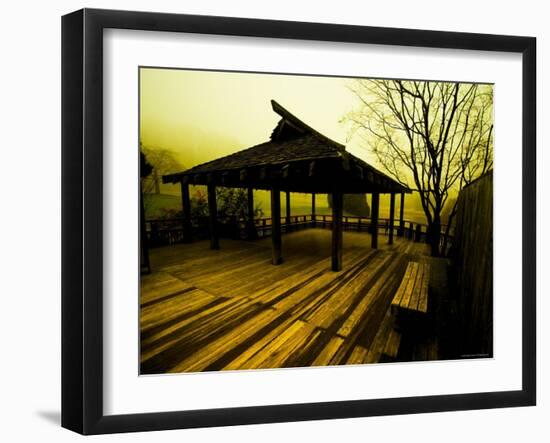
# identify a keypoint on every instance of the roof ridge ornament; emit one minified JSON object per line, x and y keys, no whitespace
{"x":298,"y":126}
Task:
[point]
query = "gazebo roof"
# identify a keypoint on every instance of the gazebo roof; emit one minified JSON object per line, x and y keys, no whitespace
{"x":297,"y":158}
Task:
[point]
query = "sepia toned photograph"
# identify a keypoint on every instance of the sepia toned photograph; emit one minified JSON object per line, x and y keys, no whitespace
{"x":291,"y":221}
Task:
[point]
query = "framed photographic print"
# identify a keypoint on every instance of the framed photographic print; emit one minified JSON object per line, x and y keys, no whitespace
{"x":269,"y":221}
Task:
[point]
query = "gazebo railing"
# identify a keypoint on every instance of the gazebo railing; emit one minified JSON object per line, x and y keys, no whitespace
{"x":164,"y":232}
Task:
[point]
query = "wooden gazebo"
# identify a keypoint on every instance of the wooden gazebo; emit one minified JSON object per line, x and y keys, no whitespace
{"x":297,"y":158}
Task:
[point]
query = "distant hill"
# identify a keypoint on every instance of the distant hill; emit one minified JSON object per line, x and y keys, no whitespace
{"x":354,"y":204}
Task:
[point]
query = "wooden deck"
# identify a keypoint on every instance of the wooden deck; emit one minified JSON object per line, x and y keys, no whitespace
{"x":230,"y":309}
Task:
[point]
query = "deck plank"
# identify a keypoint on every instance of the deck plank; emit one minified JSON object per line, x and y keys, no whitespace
{"x":324,"y":358}
{"x":230,"y":309}
{"x":379,"y":343}
{"x":391,"y":348}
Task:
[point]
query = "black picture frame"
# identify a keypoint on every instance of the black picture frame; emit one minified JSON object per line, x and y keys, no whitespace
{"x":82,"y":219}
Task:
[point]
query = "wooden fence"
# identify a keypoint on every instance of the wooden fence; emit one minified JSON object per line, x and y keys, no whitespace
{"x":472,"y":265}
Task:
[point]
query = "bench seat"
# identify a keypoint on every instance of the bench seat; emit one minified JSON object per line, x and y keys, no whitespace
{"x":412,"y":294}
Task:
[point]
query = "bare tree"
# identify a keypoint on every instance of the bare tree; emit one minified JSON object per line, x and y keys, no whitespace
{"x":434,"y":137}
{"x":163,"y":162}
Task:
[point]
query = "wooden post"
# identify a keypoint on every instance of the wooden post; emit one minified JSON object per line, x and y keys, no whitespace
{"x":337,"y":235}
{"x":186,"y":207}
{"x":401,"y":220}
{"x":143,"y":229}
{"x":276,"y":226}
{"x":418,"y":233}
{"x":287,"y":209}
{"x":392,"y":215}
{"x":250,"y":224}
{"x":374,"y":219}
{"x":313,"y":209}
{"x":213,"y":217}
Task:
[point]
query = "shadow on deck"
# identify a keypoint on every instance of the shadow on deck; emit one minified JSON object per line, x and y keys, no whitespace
{"x":206,"y":310}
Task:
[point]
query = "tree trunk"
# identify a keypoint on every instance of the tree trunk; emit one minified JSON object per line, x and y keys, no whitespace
{"x":156,"y":180}
{"x":448,"y":228}
{"x":434,"y":235}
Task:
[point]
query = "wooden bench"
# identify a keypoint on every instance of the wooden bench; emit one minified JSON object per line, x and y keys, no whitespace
{"x":412,"y":294}
{"x":409,"y":308}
